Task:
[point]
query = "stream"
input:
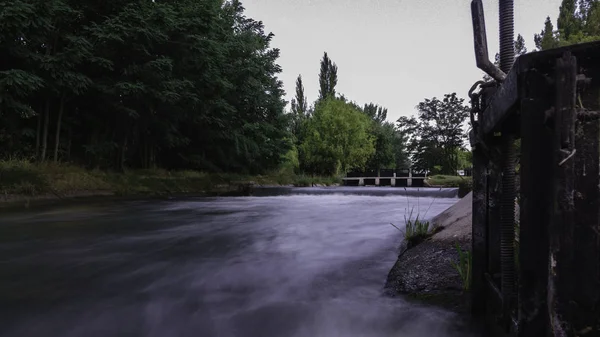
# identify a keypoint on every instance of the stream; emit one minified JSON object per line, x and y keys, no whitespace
{"x":306,"y":262}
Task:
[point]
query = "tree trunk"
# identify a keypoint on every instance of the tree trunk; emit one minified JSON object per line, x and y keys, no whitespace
{"x":144,"y":150}
{"x":45,"y":131}
{"x":69,"y":142}
{"x":152,"y":157}
{"x":122,"y":155}
{"x":38,"y":133}
{"x":58,"y":124}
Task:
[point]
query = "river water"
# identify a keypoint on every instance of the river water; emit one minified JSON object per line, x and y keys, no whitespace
{"x":288,"y":262}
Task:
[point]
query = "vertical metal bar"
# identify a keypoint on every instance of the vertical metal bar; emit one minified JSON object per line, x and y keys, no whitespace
{"x":479,"y":234}
{"x":586,"y":295}
{"x":536,"y":202}
{"x":560,"y":264}
{"x":508,"y":195}
{"x":493,"y":209}
{"x":507,"y":224}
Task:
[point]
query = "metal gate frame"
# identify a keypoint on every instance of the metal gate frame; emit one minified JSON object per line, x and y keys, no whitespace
{"x":550,"y":100}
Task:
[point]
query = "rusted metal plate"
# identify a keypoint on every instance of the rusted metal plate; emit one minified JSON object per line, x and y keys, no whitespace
{"x":507,"y":97}
{"x":502,"y":104}
{"x":561,"y":225}
{"x":559,"y":257}
{"x":536,"y":202}
{"x":586,"y":294}
{"x":587,"y":55}
{"x":479,"y":233}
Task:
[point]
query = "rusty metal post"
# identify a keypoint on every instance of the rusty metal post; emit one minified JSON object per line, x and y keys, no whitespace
{"x":536,"y":203}
{"x":493,"y":205}
{"x":480,"y":40}
{"x":560,"y":262}
{"x":479,"y":234}
{"x":508,"y":195}
{"x":586,"y":295}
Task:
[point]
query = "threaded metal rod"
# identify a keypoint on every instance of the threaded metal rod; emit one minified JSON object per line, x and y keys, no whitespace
{"x":507,"y":220}
{"x":507,"y":35}
{"x":507,"y":198}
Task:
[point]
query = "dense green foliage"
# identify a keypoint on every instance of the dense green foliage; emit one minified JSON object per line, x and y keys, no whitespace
{"x":179,"y":84}
{"x":339,"y":135}
{"x":336,"y":135}
{"x":436,"y":136}
{"x":299,"y":108}
{"x":337,"y":138}
{"x":188,"y":85}
{"x":385,"y":147}
{"x":578,"y":21}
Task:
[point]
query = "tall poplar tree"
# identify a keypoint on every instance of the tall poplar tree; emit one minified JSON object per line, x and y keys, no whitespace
{"x":327,"y":78}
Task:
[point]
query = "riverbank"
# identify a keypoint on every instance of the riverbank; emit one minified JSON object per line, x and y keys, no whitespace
{"x":425,"y":272}
{"x":22,"y":182}
{"x":464,"y":184}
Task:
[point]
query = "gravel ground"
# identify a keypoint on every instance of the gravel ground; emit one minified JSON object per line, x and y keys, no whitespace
{"x":424,"y":272}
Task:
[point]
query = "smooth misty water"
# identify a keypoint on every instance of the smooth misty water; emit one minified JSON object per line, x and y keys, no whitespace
{"x":292,"y":262}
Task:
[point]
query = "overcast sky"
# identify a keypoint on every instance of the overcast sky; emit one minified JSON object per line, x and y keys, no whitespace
{"x":393,"y":53}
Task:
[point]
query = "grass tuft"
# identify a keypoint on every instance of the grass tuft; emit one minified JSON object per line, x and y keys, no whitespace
{"x":416,"y":230}
{"x":463,"y":267}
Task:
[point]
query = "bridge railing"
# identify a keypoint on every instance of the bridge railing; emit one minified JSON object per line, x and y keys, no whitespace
{"x":547,"y":283}
{"x":386,"y":177}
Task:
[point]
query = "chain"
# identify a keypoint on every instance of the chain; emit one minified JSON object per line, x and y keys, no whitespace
{"x":475,"y":103}
{"x":476,"y":108}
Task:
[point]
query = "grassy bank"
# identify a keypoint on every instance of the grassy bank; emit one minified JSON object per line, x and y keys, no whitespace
{"x":27,"y":180}
{"x":446,"y":181}
{"x":464,"y":184}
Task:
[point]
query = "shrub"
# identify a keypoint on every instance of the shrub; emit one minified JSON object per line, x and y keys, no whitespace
{"x":21,"y":177}
{"x":465,"y":186}
{"x":303,"y":181}
{"x":444,"y":180}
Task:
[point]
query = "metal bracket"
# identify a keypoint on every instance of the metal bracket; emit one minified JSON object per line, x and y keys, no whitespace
{"x":481,"y":49}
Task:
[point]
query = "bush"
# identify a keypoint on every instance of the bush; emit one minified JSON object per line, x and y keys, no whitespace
{"x":443,"y":180}
{"x":465,"y":187}
{"x":464,"y":183}
{"x":308,"y":181}
{"x":21,"y":177}
{"x":303,"y":181}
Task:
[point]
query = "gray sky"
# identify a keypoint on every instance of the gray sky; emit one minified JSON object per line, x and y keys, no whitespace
{"x":393,"y":53}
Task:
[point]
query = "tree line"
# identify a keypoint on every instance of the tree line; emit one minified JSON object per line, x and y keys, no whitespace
{"x":334,"y":135}
{"x":578,"y":22}
{"x":132,"y":83}
{"x":192,"y":85}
